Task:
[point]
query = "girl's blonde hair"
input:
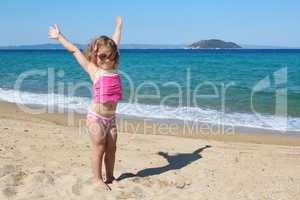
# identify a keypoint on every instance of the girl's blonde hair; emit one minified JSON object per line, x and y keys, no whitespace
{"x":103,"y":48}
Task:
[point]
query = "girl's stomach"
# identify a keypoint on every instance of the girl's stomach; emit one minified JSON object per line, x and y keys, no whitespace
{"x":104,"y":109}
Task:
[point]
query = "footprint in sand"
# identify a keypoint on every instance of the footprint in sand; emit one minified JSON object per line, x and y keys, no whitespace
{"x":135,"y":193}
{"x":87,"y":190}
{"x":145,"y":181}
{"x":7,"y":169}
{"x":9,"y":192}
{"x":43,"y":179}
{"x":19,"y":177}
{"x":12,"y":175}
{"x":76,"y":188}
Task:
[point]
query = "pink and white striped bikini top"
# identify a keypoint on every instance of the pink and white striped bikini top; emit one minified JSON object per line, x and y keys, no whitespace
{"x":108,"y":88}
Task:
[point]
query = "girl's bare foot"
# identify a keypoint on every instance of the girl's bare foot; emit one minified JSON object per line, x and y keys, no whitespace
{"x":102,"y":185}
{"x":111,"y":180}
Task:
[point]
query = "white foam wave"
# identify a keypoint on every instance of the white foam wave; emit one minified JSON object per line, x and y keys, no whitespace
{"x":80,"y":105}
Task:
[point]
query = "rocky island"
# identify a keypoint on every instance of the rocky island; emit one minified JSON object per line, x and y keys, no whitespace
{"x":213,"y":44}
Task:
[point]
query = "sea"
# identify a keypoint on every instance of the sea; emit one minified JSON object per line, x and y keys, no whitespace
{"x":251,"y":88}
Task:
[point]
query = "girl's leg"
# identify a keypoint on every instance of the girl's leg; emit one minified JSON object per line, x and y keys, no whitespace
{"x":98,"y":138}
{"x":110,"y":154}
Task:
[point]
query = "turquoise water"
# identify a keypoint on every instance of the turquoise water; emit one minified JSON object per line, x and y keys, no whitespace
{"x":172,"y":82}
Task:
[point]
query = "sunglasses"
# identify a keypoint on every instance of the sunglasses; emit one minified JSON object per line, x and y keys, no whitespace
{"x":104,"y":56}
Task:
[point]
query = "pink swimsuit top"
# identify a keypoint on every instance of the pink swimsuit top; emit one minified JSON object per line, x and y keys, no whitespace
{"x":108,"y":88}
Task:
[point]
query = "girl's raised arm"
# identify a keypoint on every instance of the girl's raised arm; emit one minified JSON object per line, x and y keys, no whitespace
{"x":54,"y":33}
{"x":118,"y":29}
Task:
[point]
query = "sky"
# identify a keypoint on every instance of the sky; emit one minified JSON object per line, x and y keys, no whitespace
{"x":253,"y":22}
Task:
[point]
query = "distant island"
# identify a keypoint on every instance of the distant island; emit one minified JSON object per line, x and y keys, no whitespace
{"x":213,"y":44}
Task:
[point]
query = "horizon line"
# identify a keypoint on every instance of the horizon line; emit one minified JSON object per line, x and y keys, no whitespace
{"x":155,"y":44}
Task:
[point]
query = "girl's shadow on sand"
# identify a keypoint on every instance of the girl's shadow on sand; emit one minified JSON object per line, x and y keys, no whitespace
{"x":177,"y":161}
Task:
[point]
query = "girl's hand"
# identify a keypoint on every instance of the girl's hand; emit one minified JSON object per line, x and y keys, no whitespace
{"x":54,"y":32}
{"x":118,"y":29}
{"x":119,"y":20}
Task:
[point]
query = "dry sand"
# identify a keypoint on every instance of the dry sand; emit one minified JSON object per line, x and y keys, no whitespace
{"x":41,"y":158}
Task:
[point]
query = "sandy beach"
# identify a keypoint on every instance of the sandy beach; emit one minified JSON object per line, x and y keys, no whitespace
{"x":43,"y":158}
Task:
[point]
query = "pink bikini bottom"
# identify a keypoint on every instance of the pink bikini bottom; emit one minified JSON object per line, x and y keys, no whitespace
{"x":106,"y":122}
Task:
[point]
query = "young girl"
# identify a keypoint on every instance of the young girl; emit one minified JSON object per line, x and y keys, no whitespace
{"x":100,"y":61}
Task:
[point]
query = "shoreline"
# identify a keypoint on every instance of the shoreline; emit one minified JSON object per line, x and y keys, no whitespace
{"x":135,"y":125}
{"x":241,"y":121}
